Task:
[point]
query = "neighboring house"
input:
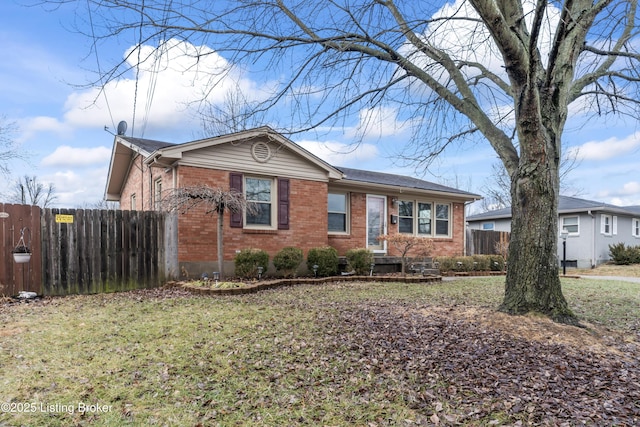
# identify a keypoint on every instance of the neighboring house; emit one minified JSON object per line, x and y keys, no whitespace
{"x":303,"y":201}
{"x":591,"y":226}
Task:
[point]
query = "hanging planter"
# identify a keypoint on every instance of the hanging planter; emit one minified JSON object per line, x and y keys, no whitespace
{"x":21,"y":257}
{"x":21,"y":253}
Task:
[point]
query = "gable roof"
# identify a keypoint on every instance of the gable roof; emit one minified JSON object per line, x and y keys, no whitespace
{"x":124,"y":150}
{"x":566,"y":205}
{"x":395,"y":181}
{"x":166,"y":154}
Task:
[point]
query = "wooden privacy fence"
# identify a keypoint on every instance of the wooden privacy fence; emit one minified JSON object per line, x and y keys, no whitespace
{"x":91,"y":251}
{"x":485,"y":242}
{"x":16,"y":277}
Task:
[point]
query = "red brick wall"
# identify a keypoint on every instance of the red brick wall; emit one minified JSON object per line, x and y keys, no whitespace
{"x":452,"y":246}
{"x":141,"y":182}
{"x":198,"y":233}
{"x":135,"y":185}
{"x":308,"y":218}
{"x":357,"y":237}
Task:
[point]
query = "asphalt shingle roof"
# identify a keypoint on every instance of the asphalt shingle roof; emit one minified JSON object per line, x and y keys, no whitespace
{"x":398,"y":181}
{"x":565,"y":204}
{"x":148,"y":145}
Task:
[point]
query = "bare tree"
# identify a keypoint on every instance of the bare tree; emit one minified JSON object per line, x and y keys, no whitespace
{"x":29,"y":191}
{"x":506,"y":70}
{"x":9,"y":150}
{"x":214,"y":201}
{"x":106,"y":205}
{"x":235,"y":114}
{"x":497,"y":190}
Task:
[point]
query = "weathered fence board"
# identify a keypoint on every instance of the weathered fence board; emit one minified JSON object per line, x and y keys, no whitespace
{"x":485,"y":242}
{"x":102,"y":251}
{"x":16,"y":277}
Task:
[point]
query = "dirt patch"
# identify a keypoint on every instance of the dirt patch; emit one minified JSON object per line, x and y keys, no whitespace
{"x":538,"y":328}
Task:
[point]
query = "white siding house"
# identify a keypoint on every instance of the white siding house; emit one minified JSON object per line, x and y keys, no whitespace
{"x":591,"y":226}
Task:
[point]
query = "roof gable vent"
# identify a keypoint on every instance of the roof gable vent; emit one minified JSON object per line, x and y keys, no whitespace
{"x":261,"y":152}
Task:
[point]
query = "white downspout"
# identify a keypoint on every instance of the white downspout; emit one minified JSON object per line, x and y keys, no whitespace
{"x":593,"y":238}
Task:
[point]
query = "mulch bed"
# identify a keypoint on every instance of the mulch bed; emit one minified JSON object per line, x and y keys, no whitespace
{"x":272,"y":284}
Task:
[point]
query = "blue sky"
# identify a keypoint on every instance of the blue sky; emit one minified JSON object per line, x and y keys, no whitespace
{"x":61,"y":122}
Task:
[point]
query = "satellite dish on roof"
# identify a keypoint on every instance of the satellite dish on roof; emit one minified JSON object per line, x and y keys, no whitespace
{"x":122,"y":127}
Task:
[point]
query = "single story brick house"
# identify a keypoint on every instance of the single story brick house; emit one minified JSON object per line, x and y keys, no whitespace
{"x":591,"y":226}
{"x":304,"y":201}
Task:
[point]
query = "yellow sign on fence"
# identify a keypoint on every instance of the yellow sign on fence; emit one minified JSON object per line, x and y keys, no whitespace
{"x":64,"y":218}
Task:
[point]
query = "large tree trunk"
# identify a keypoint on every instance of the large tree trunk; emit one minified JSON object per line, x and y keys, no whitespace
{"x":533,"y":281}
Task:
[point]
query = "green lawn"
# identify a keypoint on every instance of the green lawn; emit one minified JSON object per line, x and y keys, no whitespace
{"x":342,"y":354}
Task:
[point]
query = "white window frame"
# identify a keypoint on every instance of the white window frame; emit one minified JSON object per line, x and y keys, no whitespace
{"x":608,"y":225}
{"x":273,"y":202}
{"x":346,"y":212}
{"x":635,"y":227}
{"x":413,"y":217}
{"x":577,"y":225}
{"x":157,"y":193}
{"x":432,"y":218}
{"x":436,"y":220}
{"x":492,"y":226}
{"x":133,"y":202}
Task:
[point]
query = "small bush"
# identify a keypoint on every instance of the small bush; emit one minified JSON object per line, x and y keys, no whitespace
{"x":619,"y":254}
{"x":496,"y":262}
{"x":445,"y":263}
{"x":287,"y":260}
{"x":464,"y":263}
{"x":624,"y":255}
{"x":470,"y":263}
{"x":359,"y":260}
{"x":248,"y":261}
{"x":325,"y":258}
{"x":481,"y":262}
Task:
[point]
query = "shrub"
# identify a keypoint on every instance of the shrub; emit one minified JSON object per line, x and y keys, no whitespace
{"x":444,"y":263}
{"x":470,"y":263}
{"x":496,"y":262}
{"x":325,"y":258}
{"x":463,"y":263}
{"x":481,"y":262}
{"x":619,"y":254}
{"x":624,"y":255}
{"x":287,"y":260}
{"x":248,"y":261}
{"x":360,"y":260}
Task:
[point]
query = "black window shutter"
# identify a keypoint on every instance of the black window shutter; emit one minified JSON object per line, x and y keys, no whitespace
{"x":235,"y":183}
{"x":283,"y":204}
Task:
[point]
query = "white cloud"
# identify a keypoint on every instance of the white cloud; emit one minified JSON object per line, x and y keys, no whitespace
{"x":631,"y":188}
{"x":626,"y":195}
{"x":607,"y":149}
{"x":32,"y":126}
{"x":378,"y":122}
{"x":73,"y":189}
{"x":171,"y":80}
{"x":337,"y":153}
{"x":65,"y":156}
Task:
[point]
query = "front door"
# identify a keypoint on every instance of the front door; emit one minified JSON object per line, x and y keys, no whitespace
{"x":376,"y":222}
